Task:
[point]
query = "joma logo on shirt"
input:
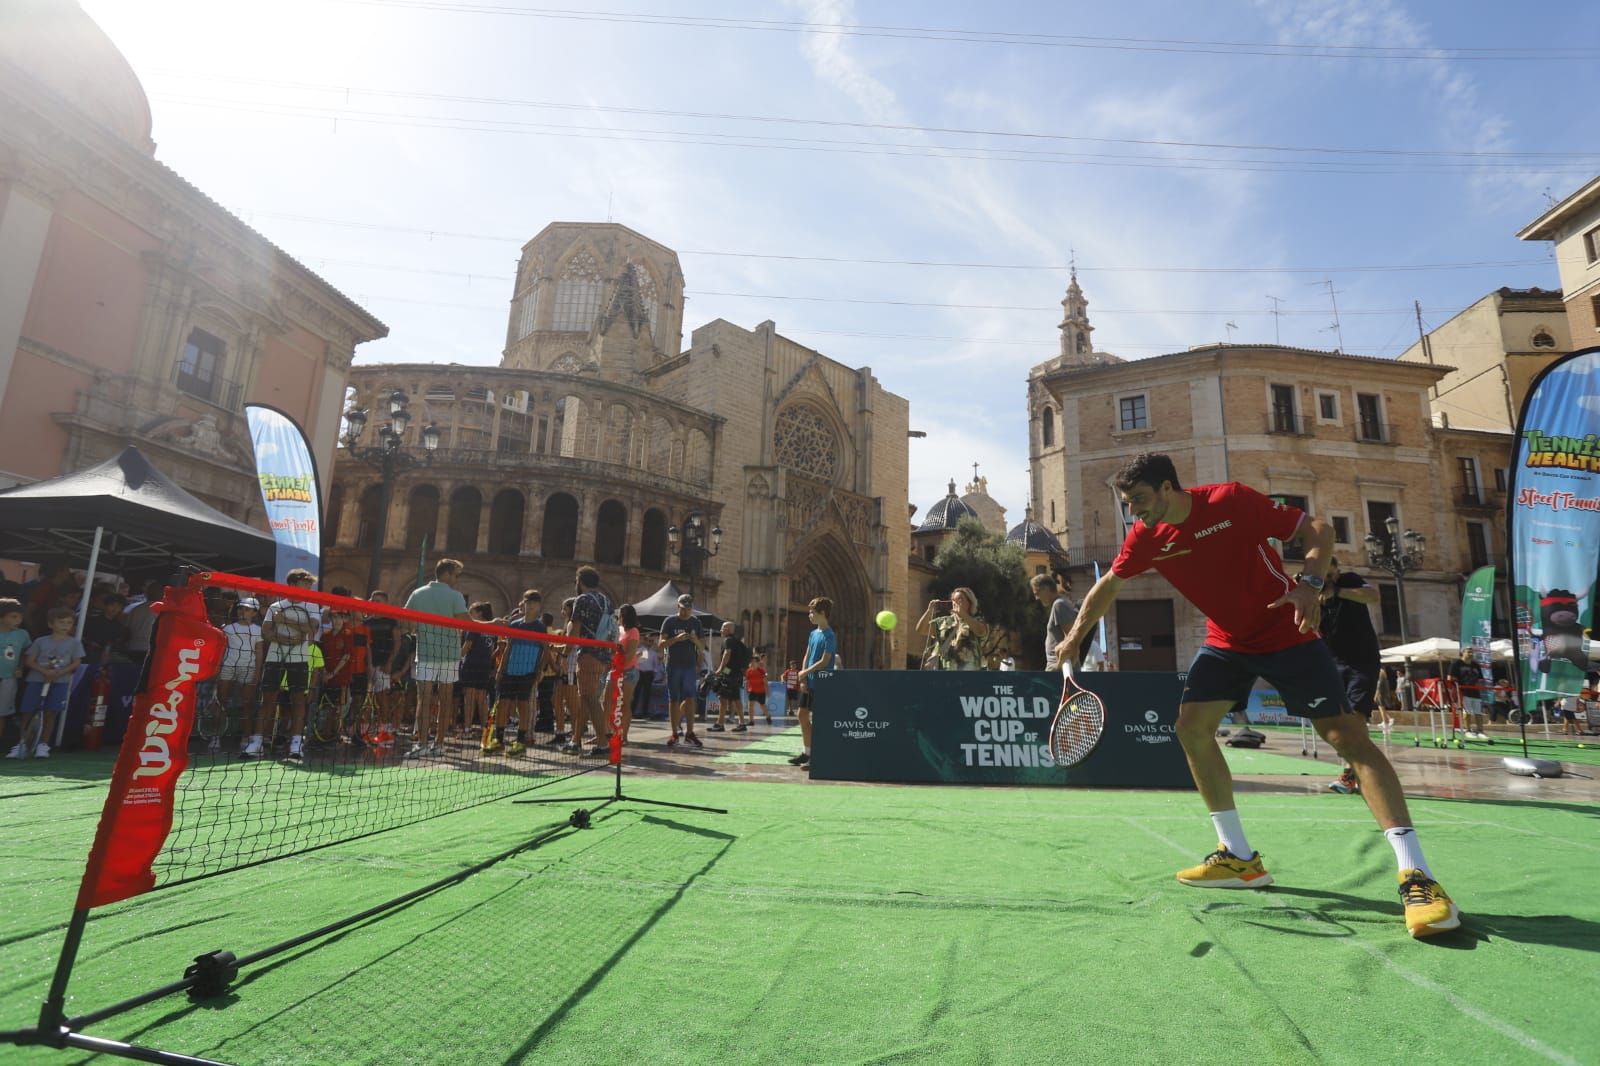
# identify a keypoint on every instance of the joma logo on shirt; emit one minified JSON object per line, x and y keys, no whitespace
{"x":1206,"y":532}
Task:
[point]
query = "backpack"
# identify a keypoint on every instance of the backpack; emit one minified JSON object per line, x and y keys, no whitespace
{"x":605,"y":629}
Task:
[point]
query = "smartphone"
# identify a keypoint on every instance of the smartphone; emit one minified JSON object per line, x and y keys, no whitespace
{"x":942,"y":606}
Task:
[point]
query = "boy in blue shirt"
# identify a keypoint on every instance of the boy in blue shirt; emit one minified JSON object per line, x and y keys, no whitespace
{"x":820,"y":648}
{"x":52,"y":660}
{"x":519,"y":666}
{"x":14,"y":640}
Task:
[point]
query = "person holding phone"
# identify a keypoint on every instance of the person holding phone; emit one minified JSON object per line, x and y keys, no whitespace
{"x":955,"y":632}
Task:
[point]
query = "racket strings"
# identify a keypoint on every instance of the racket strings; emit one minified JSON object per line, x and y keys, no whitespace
{"x":1077,"y":729}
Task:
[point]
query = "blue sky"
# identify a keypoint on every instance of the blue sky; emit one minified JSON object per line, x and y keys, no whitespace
{"x":405,"y":149}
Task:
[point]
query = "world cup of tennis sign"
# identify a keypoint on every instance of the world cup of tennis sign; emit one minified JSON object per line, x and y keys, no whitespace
{"x":186,"y":650}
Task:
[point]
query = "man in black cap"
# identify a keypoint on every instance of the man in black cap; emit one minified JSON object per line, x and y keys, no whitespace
{"x":682,"y":637}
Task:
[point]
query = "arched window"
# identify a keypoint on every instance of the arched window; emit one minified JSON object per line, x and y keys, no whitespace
{"x":560,"y":539}
{"x":422,"y":517}
{"x":1542,"y":339}
{"x":697,"y":465}
{"x":330,"y":525}
{"x":610,"y":533}
{"x":1052,"y":513}
{"x":369,"y":515}
{"x":744,"y":626}
{"x":466,"y":507}
{"x":1047,"y":426}
{"x":653,"y":541}
{"x":505,"y":522}
{"x":578,"y":294}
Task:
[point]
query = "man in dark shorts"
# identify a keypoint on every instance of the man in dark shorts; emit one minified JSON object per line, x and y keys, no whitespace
{"x":1211,"y":543}
{"x":681,"y":637}
{"x":1347,"y":627}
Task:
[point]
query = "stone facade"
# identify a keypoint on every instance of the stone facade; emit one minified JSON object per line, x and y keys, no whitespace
{"x":1495,"y":348}
{"x":615,"y":432}
{"x":1349,"y":438}
{"x":1573,"y":225}
{"x":133,"y":308}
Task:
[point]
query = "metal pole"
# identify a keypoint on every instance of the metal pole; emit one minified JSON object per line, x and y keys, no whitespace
{"x":83,"y":619}
{"x":1400,"y":594}
{"x":386,"y":499}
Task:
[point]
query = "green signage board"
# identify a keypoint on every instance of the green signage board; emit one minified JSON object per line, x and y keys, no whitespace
{"x":990,"y":728}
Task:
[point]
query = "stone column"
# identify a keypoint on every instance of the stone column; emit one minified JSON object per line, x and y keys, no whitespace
{"x":588,"y":505}
{"x":634,"y":542}
{"x":483,"y":523}
{"x":533,"y":524}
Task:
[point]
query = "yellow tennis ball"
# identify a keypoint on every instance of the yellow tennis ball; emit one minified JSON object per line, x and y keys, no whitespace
{"x":887,"y":620}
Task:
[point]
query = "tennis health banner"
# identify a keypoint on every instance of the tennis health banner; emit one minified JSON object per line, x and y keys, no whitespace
{"x":1553,"y":526}
{"x":288,"y":476}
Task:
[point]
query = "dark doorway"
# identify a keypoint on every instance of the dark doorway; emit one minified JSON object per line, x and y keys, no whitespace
{"x":1146,"y":636}
{"x":560,"y":540}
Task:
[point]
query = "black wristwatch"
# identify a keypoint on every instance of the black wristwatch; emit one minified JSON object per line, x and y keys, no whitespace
{"x":1310,"y":579}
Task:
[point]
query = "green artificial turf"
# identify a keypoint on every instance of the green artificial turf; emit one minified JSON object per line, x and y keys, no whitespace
{"x":773,"y":748}
{"x":821,"y":923}
{"x":1563,"y":749}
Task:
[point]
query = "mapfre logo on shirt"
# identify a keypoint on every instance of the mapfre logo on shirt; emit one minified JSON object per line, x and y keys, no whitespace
{"x":1226,"y":523}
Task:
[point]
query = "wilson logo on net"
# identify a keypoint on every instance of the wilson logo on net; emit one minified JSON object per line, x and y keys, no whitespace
{"x":155,"y":757}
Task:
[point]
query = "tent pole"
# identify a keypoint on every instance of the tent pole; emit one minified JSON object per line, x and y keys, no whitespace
{"x":83,"y":617}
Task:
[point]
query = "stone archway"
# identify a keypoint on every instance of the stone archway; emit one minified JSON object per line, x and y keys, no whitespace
{"x":826,"y":566}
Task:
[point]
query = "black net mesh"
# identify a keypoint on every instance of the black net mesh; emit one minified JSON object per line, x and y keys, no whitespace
{"x":330,"y":719}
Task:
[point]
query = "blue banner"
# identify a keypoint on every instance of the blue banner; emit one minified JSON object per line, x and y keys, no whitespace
{"x":1553,"y":526}
{"x":288,"y":477}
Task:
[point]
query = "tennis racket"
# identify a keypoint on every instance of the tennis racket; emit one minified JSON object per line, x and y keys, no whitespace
{"x":1079,"y":723}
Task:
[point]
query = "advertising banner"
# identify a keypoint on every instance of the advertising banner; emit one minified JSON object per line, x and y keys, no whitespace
{"x":155,"y":752}
{"x":989,"y":728}
{"x":1553,"y":526}
{"x":1477,"y":608}
{"x":288,"y":476}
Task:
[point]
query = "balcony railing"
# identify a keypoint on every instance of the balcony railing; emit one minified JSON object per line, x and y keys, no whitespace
{"x":213,"y":390}
{"x":1375,"y":432}
{"x":1478,"y":499}
{"x":1471,"y":560}
{"x":482,"y":457}
{"x":1288,"y":423}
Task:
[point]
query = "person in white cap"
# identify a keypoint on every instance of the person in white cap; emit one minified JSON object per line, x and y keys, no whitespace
{"x":238,"y":675}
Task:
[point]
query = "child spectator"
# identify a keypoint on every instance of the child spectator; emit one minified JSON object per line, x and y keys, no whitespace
{"x":820,"y":651}
{"x":476,"y":672}
{"x":516,"y":676}
{"x":791,"y":687}
{"x":288,"y":631}
{"x":104,"y":634}
{"x":14,"y":641}
{"x":237,"y":678}
{"x":755,"y":683}
{"x":405,"y":650}
{"x":338,"y":656}
{"x":51,"y":661}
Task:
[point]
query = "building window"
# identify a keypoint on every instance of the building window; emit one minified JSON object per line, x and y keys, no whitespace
{"x":610,"y":533}
{"x":653,"y":541}
{"x":1594,"y":309}
{"x":1378,"y":514}
{"x":1467,"y":466}
{"x":1477,"y":545}
{"x":505,"y":522}
{"x":422,"y":519}
{"x":1132,"y":412}
{"x":1369,"y":414}
{"x":466,"y":509}
{"x":1500,"y":479}
{"x":560,"y":539}
{"x":1591,"y":245}
{"x":527,"y":314}
{"x":1341,"y":528}
{"x":1328,"y":407}
{"x":1543,"y":339}
{"x":200,"y":368}
{"x":1052,"y":514}
{"x":803,"y":440}
{"x":369,"y":515}
{"x":1283,"y":412}
{"x":1389,"y":608}
{"x":1047,"y":426}
{"x":578,"y":294}
{"x":1293,"y":551}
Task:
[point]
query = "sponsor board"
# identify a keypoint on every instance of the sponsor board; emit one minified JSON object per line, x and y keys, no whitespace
{"x":976,"y":727}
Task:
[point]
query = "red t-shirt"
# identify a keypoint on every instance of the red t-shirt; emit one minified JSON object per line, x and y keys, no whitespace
{"x":1220,"y":560}
{"x":337,"y":646}
{"x":755,"y":680}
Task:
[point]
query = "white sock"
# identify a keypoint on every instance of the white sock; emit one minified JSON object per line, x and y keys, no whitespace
{"x":806,"y":750}
{"x":1407,"y":849}
{"x":1231,"y":833}
{"x":294,"y":743}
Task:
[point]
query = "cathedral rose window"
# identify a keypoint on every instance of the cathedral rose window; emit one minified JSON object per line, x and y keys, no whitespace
{"x":804,"y":441}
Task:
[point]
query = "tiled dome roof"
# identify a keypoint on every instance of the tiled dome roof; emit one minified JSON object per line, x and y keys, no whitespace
{"x":947,"y":512}
{"x":1034,"y":538}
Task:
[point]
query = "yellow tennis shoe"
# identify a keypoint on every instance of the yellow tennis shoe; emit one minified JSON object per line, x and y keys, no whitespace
{"x":1223,"y":869}
{"x":1429,"y":909}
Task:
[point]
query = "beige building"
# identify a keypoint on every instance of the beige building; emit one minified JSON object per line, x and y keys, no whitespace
{"x":1574,"y":227}
{"x":133,"y":308}
{"x":1496,"y":348}
{"x":600,"y":433}
{"x":1348,"y":438}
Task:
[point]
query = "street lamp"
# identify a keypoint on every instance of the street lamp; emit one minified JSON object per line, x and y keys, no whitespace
{"x":691,"y":545}
{"x":1399,"y":555}
{"x":388,"y":457}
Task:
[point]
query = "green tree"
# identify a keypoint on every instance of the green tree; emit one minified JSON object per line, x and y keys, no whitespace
{"x":994,"y":571}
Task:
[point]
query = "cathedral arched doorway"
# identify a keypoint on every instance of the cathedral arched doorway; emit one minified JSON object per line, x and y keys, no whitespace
{"x":827,"y":567}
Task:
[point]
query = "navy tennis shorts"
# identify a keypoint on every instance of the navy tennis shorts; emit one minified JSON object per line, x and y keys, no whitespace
{"x":1305,"y":675}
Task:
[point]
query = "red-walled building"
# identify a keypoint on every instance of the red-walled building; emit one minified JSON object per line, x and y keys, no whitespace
{"x":133,"y":308}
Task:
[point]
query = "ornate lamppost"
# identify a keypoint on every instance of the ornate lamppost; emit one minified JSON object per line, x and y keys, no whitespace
{"x":1399,"y":556}
{"x":388,"y":457}
{"x":691,"y":543}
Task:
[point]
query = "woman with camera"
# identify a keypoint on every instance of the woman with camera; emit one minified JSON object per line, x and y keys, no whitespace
{"x":955,"y":632}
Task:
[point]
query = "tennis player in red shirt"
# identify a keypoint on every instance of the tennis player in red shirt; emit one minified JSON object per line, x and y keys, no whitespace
{"x":1210,"y":542}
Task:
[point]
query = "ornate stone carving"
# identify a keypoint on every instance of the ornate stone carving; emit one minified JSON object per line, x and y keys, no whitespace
{"x":803,"y":440}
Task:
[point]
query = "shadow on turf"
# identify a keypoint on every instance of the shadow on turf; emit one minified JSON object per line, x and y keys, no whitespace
{"x":560,"y":1013}
{"x":1554,"y":930}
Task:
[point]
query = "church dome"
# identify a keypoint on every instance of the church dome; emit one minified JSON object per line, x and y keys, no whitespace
{"x":947,"y":513}
{"x":57,"y":44}
{"x":1034,"y":538}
